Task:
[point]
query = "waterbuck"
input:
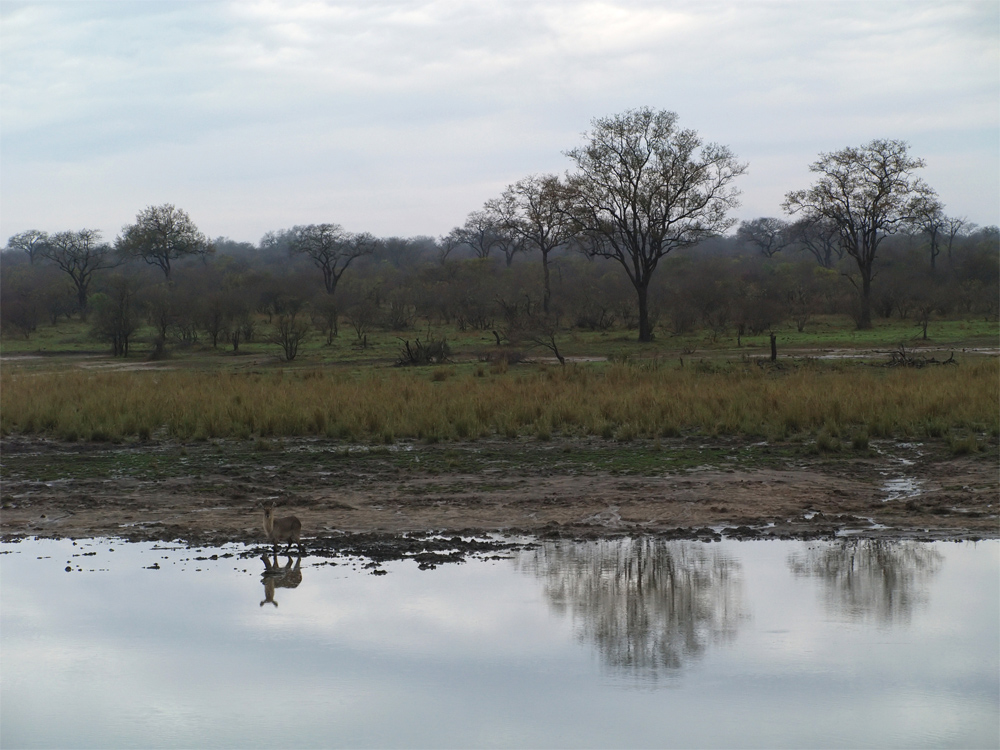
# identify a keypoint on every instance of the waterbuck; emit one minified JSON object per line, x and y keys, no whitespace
{"x":280,"y":530}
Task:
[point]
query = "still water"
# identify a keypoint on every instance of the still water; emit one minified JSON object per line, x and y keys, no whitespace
{"x":626,"y":643}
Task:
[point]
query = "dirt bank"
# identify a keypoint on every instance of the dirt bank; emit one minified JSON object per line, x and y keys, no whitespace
{"x":577,"y":488}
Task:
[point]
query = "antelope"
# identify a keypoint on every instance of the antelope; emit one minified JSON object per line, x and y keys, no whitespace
{"x":279,"y":530}
{"x":276,"y":576}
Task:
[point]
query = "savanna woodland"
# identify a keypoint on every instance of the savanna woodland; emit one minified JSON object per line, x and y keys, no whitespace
{"x":602,"y":351}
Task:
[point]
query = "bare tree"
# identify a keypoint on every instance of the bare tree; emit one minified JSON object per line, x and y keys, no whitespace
{"x":80,"y":255}
{"x":162,"y":311}
{"x":767,"y":234}
{"x":482,"y":233}
{"x":869,"y":192}
{"x":326,"y":316}
{"x":644,"y":187}
{"x":161,"y":235}
{"x":331,"y":249}
{"x":212,"y":316}
{"x":535,"y":211}
{"x":502,"y":214}
{"x":447,"y":244}
{"x":954,"y":226}
{"x":30,"y":242}
{"x":289,"y":331}
{"x":819,"y":236}
{"x":362,"y":315}
{"x":116,"y":316}
{"x":931,"y":221}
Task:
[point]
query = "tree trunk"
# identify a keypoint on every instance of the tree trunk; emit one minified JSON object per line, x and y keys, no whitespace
{"x":645,"y":329}
{"x":545,"y":281}
{"x":865,"y":319}
{"x":81,"y":301}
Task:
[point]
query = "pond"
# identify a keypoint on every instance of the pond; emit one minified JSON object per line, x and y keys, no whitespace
{"x":617,"y":643}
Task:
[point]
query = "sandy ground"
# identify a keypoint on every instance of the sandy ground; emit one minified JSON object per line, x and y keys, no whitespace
{"x":210,"y":494}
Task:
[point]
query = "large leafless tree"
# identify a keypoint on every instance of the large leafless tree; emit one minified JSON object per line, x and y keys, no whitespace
{"x":869,"y":192}
{"x":79,"y":255}
{"x":331,"y":249}
{"x":644,"y":187}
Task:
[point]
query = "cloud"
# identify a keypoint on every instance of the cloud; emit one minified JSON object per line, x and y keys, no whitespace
{"x":401,"y":117}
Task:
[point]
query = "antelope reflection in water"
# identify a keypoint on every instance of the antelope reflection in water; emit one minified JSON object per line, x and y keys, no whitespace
{"x":649,"y":605}
{"x":280,"y":577}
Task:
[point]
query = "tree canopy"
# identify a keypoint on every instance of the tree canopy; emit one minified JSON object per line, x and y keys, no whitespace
{"x":161,"y":235}
{"x":80,"y":255}
{"x":31,"y":242}
{"x":644,"y":187}
{"x":331,"y":249}
{"x":868,"y":192}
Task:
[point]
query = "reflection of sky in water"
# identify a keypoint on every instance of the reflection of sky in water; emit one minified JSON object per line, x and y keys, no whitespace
{"x":770,"y":644}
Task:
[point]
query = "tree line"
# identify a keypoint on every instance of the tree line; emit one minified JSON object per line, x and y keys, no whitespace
{"x":634,"y":237}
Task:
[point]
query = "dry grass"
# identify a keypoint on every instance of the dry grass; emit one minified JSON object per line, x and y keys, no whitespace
{"x":621,"y":401}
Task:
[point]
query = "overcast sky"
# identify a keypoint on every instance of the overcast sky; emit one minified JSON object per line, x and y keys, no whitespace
{"x":399,"y":117}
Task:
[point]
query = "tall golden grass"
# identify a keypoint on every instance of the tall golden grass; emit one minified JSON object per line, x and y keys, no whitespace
{"x":617,"y":401}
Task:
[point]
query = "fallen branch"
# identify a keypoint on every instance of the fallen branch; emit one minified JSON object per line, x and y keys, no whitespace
{"x":902,"y":358}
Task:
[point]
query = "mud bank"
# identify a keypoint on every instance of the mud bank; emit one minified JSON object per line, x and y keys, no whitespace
{"x":697,"y":488}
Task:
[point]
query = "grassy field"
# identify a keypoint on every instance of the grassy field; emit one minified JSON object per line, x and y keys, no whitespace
{"x":843,"y":401}
{"x":618,"y":389}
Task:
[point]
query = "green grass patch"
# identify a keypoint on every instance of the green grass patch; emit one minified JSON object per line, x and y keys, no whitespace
{"x":72,"y":337}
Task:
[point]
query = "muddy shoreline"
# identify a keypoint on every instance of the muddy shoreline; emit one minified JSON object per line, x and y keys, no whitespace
{"x":401,"y":498}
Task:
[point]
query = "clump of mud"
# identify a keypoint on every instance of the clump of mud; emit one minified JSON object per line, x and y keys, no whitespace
{"x":427,"y":550}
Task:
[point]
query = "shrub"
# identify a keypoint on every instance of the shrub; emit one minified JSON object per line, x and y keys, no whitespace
{"x":964,"y":446}
{"x":826,"y":443}
{"x":431,"y":353}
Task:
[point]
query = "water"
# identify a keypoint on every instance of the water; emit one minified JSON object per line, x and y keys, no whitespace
{"x":902,"y":488}
{"x":854,"y":643}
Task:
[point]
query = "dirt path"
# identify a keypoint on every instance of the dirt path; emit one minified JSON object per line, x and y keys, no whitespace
{"x":694,"y":487}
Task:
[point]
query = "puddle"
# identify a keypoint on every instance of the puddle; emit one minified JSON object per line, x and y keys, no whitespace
{"x":628,"y":642}
{"x":901,"y":488}
{"x":921,"y":351}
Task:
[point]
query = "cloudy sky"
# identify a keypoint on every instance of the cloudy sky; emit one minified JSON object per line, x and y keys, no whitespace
{"x":400,"y":117}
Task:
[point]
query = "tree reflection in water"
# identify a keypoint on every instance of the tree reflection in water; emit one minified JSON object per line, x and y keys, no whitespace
{"x":871,"y":579}
{"x":649,"y":605}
